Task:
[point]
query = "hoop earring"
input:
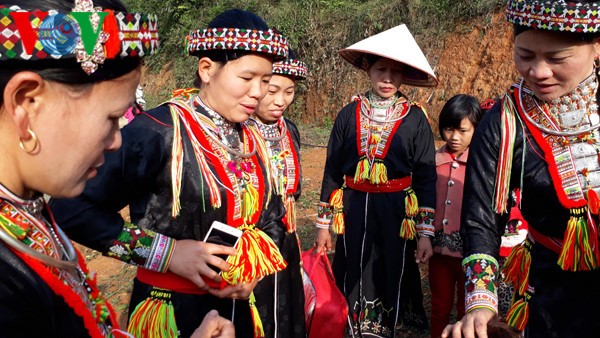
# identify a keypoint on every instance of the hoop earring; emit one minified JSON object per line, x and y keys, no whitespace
{"x":35,"y":143}
{"x":597,"y":66}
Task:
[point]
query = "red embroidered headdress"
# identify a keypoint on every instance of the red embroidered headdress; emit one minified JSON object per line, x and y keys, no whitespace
{"x":88,"y":34}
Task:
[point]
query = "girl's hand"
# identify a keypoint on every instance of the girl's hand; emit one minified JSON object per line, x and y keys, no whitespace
{"x":191,"y":259}
{"x":424,"y":249}
{"x":473,"y":324}
{"x":323,"y":240}
{"x":214,"y":326}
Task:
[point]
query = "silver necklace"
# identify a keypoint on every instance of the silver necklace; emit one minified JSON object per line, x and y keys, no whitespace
{"x":547,"y":130}
{"x":262,"y":128}
{"x":214,"y":136}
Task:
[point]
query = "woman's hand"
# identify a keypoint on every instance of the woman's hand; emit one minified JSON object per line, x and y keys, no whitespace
{"x":214,"y":326}
{"x":323,"y":240}
{"x":191,"y":259}
{"x":240,"y":291}
{"x":473,"y":324}
{"x":424,"y":249}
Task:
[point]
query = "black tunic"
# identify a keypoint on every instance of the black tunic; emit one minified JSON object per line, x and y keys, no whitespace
{"x":289,"y":319}
{"x":139,"y":175}
{"x":374,"y":267}
{"x":29,"y":307}
{"x":565,"y":303}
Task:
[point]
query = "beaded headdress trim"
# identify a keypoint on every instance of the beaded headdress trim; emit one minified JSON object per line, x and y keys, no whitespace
{"x":560,"y":16}
{"x":251,"y":40}
{"x":291,"y":67}
{"x":88,"y":33}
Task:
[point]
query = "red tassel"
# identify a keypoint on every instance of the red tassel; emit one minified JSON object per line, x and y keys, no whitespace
{"x":518,"y":314}
{"x":256,"y":321}
{"x":112,"y":47}
{"x":593,"y":201}
{"x":577,"y":252}
{"x":516,"y":267}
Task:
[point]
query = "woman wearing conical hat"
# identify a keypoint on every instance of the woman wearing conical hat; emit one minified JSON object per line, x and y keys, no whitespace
{"x":543,"y":137}
{"x":279,"y":146}
{"x":378,"y":190}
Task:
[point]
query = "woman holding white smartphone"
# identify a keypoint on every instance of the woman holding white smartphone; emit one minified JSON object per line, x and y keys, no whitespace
{"x":184,"y":165}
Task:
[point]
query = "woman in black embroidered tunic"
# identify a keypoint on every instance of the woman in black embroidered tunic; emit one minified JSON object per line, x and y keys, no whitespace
{"x":279,"y":141}
{"x":542,"y":138}
{"x":61,"y":107}
{"x":380,"y":169}
{"x":185,"y":164}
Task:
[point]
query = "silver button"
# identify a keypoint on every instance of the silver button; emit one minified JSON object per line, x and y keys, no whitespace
{"x":450,"y":183}
{"x":445,"y":221}
{"x":448,"y":202}
{"x":455,"y":165}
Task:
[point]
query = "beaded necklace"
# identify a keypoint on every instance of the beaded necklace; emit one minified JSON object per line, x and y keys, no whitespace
{"x":276,"y":147}
{"x":374,"y":135}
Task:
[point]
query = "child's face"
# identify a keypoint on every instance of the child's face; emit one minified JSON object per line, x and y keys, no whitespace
{"x":458,"y":139}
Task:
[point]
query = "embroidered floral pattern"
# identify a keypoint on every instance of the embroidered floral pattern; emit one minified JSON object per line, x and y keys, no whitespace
{"x":424,"y":221}
{"x":324,"y":215}
{"x":143,"y":248}
{"x":482,"y":273}
{"x":372,"y":318}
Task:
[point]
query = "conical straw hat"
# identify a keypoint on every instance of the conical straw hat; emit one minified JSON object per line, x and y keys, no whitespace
{"x":397,"y":44}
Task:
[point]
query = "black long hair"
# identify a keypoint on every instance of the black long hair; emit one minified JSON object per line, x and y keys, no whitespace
{"x":456,"y":109}
{"x":65,"y":70}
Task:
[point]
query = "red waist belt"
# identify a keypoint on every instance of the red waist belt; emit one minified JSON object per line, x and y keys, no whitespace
{"x":549,"y":242}
{"x":173,"y":282}
{"x":395,"y":185}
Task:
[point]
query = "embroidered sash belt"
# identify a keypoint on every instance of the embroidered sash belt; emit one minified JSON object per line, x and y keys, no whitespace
{"x":394,"y":185}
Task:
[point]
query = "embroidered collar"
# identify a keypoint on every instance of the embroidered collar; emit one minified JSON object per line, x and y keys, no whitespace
{"x":228,"y":131}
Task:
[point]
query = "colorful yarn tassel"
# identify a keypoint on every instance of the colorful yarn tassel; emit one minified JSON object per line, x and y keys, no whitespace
{"x":411,"y":205}
{"x":408,"y":229}
{"x":154,"y":317}
{"x":249,"y":202}
{"x":258,"y":256}
{"x":176,"y":165}
{"x":185,"y":93}
{"x":363,"y":169}
{"x":378,"y":173}
{"x":518,"y":314}
{"x":516,"y":267}
{"x":258,"y":327}
{"x":577,"y":254}
{"x":337,"y":204}
{"x":505,"y":159}
{"x":290,"y":213}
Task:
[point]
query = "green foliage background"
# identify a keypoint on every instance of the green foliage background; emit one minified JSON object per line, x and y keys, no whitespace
{"x":317,"y":29}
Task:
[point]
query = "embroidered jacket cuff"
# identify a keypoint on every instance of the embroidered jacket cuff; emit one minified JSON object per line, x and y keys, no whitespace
{"x":482,"y":272}
{"x":324,"y":215}
{"x":424,"y":219}
{"x":144,"y":248}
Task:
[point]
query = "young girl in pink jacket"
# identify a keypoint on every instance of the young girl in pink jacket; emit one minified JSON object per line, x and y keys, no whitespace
{"x":457,"y":122}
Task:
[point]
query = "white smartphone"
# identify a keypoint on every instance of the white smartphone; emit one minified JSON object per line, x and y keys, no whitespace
{"x":222,"y":234}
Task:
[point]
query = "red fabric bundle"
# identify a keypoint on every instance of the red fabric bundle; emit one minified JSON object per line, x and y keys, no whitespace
{"x":325,"y":307}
